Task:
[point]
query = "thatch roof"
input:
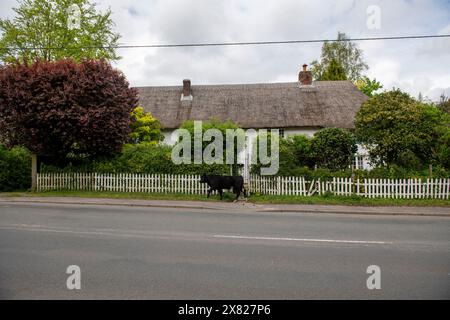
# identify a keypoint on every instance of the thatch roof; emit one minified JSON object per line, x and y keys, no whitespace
{"x":272,"y":105}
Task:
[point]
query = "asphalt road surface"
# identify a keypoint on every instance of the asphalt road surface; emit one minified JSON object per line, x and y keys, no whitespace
{"x":158,"y":253}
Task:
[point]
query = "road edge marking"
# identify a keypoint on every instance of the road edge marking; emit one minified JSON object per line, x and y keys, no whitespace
{"x":299,"y":239}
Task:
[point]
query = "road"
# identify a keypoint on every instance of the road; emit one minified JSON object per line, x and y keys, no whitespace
{"x":160,"y":253}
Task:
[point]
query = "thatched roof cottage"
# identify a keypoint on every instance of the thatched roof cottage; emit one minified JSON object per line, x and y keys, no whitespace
{"x":297,"y":107}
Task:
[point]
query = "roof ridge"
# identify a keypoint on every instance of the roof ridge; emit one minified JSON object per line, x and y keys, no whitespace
{"x":237,"y":85}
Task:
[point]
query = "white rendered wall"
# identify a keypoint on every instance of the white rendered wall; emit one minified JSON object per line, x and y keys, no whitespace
{"x":292,"y":132}
{"x":170,"y":139}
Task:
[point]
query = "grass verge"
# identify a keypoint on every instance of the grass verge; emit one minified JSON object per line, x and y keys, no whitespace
{"x":255,"y":198}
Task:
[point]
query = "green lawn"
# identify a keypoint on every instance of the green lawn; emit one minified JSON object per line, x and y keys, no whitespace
{"x":331,"y":200}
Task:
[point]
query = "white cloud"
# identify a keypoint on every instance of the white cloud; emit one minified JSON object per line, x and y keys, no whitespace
{"x":413,"y":65}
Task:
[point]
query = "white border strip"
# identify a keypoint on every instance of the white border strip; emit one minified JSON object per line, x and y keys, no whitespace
{"x":299,"y":239}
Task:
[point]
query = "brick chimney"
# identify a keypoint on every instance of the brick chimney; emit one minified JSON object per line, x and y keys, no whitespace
{"x":186,"y":87}
{"x":187,"y":93}
{"x":305,"y":77}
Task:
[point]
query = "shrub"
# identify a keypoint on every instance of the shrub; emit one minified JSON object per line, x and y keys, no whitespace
{"x":141,"y":158}
{"x":333,"y":148}
{"x":301,"y":146}
{"x":15,"y":168}
{"x":397,"y":129}
{"x":145,"y":128}
{"x":148,"y":158}
{"x":392,"y":172}
{"x":222,"y":127}
{"x":442,"y":152}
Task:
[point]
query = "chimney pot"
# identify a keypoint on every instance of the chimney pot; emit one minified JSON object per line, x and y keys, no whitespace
{"x":304,"y":67}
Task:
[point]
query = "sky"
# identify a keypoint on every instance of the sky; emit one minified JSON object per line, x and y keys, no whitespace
{"x":416,"y":65}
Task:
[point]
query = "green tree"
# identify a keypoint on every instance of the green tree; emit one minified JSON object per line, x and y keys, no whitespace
{"x":43,"y":29}
{"x":367,"y":86}
{"x":145,"y":128}
{"x":346,"y":53}
{"x":333,"y":148}
{"x":334,"y":72}
{"x":397,"y":129}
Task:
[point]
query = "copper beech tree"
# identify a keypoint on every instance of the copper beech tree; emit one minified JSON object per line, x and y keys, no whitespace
{"x":65,"y":108}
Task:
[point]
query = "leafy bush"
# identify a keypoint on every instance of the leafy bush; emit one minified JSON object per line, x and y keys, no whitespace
{"x":141,"y":158}
{"x":301,"y":147}
{"x":15,"y":168}
{"x":145,"y":128}
{"x":442,"y":151}
{"x":333,"y":148}
{"x":398,"y":172}
{"x":393,"y":172}
{"x":222,"y":127}
{"x":397,"y":129}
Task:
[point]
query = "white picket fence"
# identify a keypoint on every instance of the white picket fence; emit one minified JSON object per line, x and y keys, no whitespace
{"x":290,"y":186}
{"x":372,"y":188}
{"x":122,"y":182}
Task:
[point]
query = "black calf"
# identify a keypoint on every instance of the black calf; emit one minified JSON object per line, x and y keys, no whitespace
{"x":224,"y":182}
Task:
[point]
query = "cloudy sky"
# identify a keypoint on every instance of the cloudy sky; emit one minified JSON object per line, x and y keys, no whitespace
{"x":412,"y":65}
